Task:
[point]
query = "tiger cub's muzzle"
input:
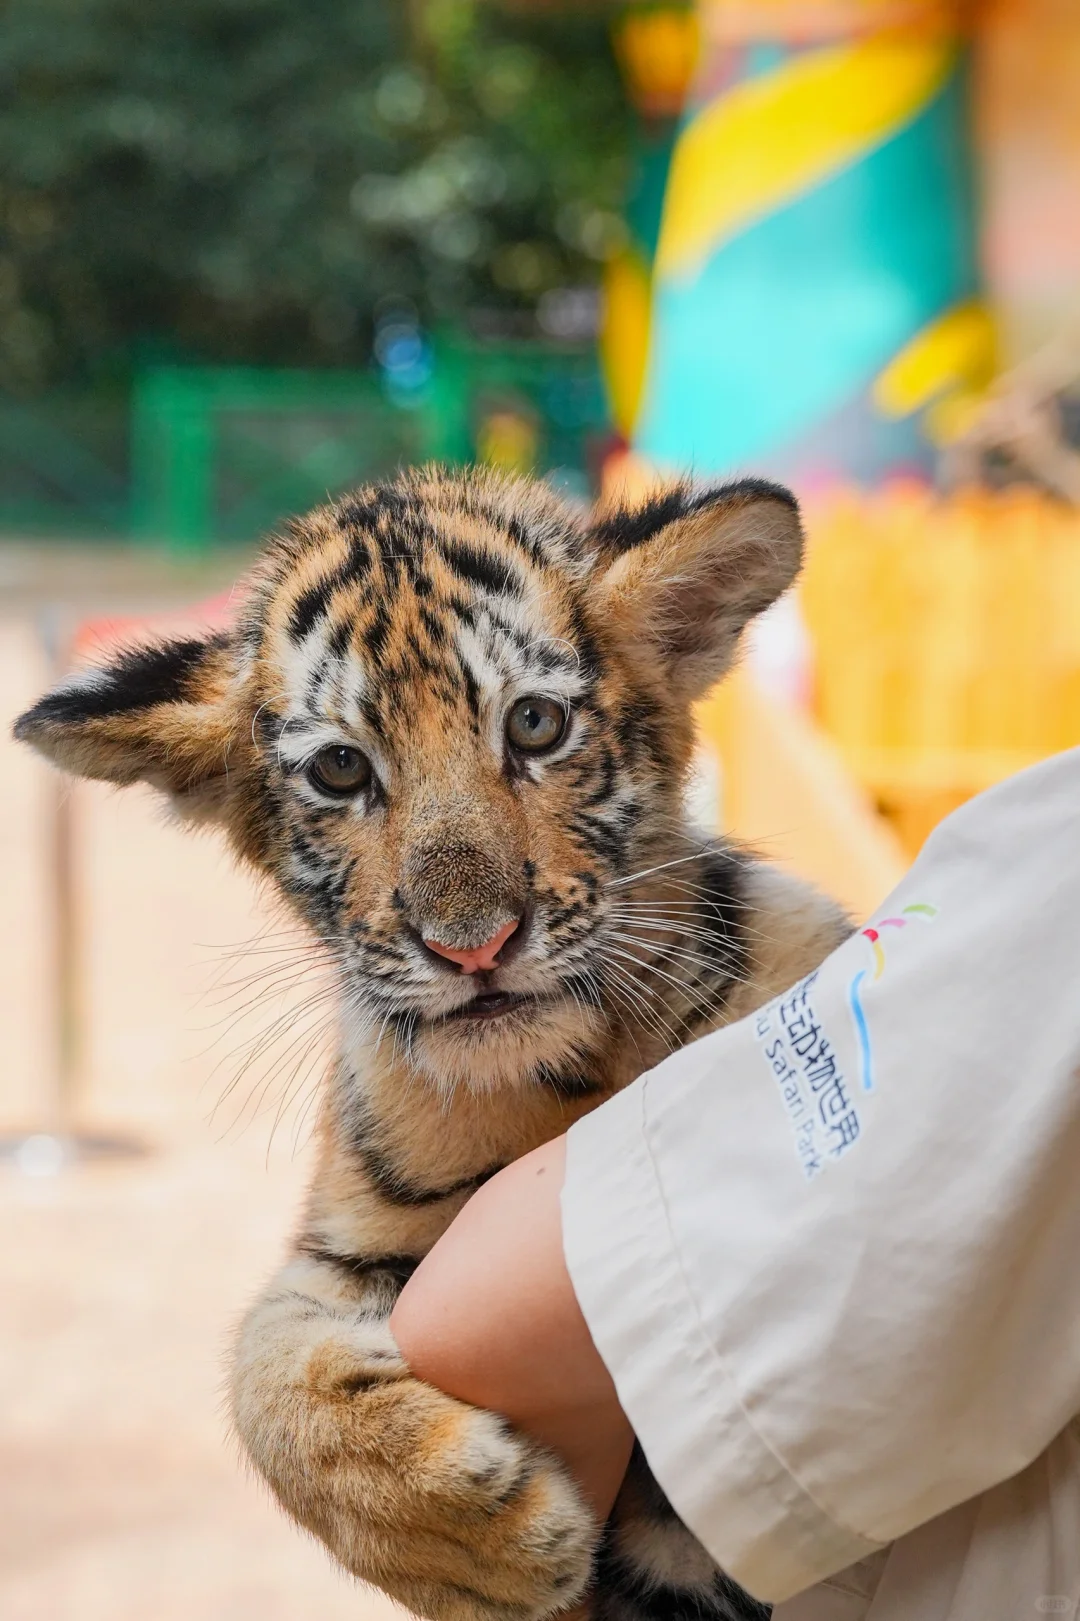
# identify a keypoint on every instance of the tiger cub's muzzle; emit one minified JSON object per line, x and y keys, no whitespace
{"x":466,"y":904}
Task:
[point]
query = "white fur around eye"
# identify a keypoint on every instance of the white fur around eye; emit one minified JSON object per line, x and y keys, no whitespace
{"x":504,"y":672}
{"x":302,"y":740}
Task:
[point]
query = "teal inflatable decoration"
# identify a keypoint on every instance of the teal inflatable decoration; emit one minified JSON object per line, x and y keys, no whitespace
{"x":815,"y":308}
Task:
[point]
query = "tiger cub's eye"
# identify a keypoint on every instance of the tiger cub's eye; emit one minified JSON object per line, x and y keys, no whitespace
{"x":536,"y":724}
{"x":340,"y":770}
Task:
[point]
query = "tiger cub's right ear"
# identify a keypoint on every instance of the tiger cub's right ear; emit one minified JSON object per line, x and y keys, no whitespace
{"x":162,"y":713}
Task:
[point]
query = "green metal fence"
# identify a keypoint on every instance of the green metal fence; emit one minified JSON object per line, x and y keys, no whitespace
{"x":64,"y":464}
{"x":222,"y":454}
{"x":196,"y":456}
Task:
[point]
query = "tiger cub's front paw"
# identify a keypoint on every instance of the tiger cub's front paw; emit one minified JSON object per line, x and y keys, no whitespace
{"x":441,"y":1505}
{"x":526,"y":1537}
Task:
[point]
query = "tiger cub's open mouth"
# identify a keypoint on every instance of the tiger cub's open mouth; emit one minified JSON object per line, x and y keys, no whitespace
{"x":490,"y":1005}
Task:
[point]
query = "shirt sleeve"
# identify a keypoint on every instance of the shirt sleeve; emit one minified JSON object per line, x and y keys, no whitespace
{"x":829,"y":1254}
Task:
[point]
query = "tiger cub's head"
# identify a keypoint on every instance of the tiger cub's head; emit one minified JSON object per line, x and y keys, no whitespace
{"x":451,"y":715}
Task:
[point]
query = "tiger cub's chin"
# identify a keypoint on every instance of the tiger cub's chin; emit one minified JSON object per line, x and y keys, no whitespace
{"x":536,"y":1042}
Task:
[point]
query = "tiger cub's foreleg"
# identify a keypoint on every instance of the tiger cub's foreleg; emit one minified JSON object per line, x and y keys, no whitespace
{"x":651,"y":1568}
{"x":441,"y":1505}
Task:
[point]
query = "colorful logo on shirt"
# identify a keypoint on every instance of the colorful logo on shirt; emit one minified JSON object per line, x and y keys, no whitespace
{"x":918,"y":911}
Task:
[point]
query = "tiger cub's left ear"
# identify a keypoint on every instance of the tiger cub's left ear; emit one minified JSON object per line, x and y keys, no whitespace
{"x":681,"y":575}
{"x":160,"y":713}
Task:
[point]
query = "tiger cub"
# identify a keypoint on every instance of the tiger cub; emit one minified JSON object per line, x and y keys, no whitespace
{"x":453,"y":725}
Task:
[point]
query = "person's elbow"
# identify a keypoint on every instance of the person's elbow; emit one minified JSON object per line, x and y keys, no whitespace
{"x":486,"y":1313}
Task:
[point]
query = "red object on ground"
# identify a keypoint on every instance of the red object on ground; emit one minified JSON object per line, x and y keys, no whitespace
{"x":105,"y":634}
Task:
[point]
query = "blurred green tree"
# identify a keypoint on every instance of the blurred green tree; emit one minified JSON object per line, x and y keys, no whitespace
{"x":247,"y":179}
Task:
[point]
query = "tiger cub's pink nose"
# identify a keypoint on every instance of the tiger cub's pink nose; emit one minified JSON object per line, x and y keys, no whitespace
{"x":480,"y":957}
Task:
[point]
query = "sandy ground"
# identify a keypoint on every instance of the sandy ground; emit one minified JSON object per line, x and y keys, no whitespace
{"x":121,"y":1495}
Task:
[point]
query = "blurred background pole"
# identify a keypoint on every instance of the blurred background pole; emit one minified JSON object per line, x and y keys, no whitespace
{"x":57,"y":1140}
{"x":816,"y":308}
{"x":64,"y":986}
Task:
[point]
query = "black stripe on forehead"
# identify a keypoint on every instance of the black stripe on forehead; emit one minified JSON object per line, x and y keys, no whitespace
{"x":435,"y":626}
{"x":482,"y":568}
{"x":393,"y":536}
{"x":388,"y":535}
{"x":482,"y":506}
{"x":340,"y":638}
{"x":472,"y":691}
{"x":376,"y":634}
{"x":419,"y":511}
{"x":364,"y":521}
{"x":399,"y":521}
{"x":588,"y":653}
{"x":313,"y":603}
{"x":380,"y":512}
{"x":359,"y":512}
{"x":398,"y":528}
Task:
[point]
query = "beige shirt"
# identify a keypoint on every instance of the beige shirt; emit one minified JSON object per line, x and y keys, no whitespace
{"x":831,"y":1255}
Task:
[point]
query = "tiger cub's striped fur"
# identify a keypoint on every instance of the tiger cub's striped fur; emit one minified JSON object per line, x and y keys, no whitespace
{"x":453,"y":725}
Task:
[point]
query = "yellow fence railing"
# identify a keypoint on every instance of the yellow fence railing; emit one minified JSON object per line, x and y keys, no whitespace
{"x":781,"y":787}
{"x":946,"y":635}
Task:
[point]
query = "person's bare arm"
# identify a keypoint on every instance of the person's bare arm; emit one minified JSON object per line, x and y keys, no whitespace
{"x":490,"y":1317}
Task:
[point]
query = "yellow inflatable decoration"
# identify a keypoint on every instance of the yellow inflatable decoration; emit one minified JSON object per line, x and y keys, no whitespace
{"x":772,"y":138}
